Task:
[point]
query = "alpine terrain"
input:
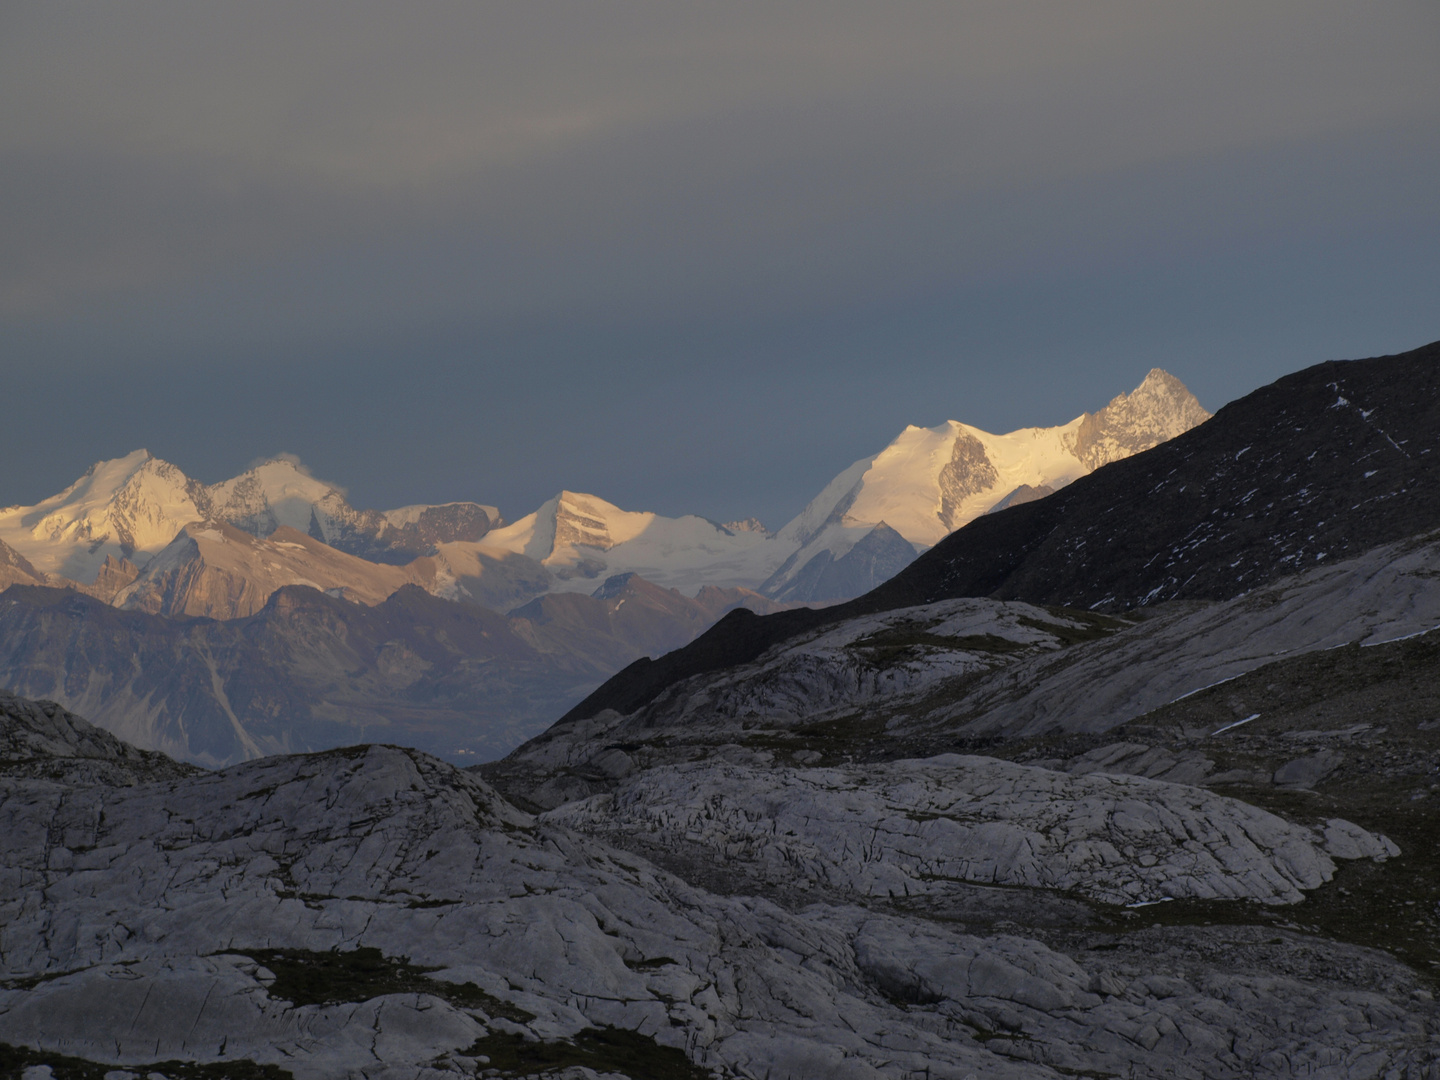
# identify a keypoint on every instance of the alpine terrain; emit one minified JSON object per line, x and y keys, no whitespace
{"x":537,"y":608}
{"x":1139,"y":778}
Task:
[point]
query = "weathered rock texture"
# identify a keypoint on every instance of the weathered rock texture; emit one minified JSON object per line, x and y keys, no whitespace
{"x":988,"y":668}
{"x":40,"y":740}
{"x":137,"y":923}
{"x":910,"y":828}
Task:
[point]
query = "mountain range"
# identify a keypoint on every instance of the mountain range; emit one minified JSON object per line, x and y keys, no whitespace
{"x":542,"y":621}
{"x":308,"y":670}
{"x":131,"y":508}
{"x":931,"y":481}
{"x":127,"y":518}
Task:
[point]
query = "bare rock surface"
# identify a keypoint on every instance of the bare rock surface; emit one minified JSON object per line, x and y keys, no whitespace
{"x":215,"y":570}
{"x":164,"y":922}
{"x":872,"y":662}
{"x":39,"y":739}
{"x":982,"y":668}
{"x":911,"y":828}
{"x":129,"y":917}
{"x":1388,"y":593}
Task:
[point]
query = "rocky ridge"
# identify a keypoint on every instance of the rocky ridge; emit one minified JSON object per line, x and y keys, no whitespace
{"x":16,"y":569}
{"x":982,"y":668}
{"x":1157,"y":410}
{"x":913,"y":828}
{"x":40,"y":740}
{"x":217,"y":571}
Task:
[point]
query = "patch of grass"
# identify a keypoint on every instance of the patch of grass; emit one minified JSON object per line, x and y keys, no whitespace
{"x":14,"y":1060}
{"x":1375,"y":707}
{"x":1093,"y":625}
{"x":851,"y":729}
{"x":1392,"y":905}
{"x":303,"y":977}
{"x":605,"y":1049}
{"x":1088,"y":1074}
{"x":887,"y":648}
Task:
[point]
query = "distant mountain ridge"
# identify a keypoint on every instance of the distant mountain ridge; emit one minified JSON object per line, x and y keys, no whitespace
{"x":133,"y":507}
{"x":121,"y":528}
{"x":308,"y":671}
{"x":867,"y":524}
{"x":215,"y":570}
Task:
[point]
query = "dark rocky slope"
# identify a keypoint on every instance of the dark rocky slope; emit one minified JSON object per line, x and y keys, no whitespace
{"x":1318,"y":466}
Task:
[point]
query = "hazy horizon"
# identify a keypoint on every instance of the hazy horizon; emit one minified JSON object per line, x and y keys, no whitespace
{"x":690,"y":260}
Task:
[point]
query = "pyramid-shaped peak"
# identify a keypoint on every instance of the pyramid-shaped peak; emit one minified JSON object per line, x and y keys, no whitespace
{"x":1158,"y":381}
{"x":1157,"y":410}
{"x":1160,"y":390}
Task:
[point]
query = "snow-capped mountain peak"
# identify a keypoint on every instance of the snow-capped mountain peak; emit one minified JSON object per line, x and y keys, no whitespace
{"x":132,"y":507}
{"x":925,"y":484}
{"x":277,"y":492}
{"x":581,"y":537}
{"x":930,"y":481}
{"x":123,"y":507}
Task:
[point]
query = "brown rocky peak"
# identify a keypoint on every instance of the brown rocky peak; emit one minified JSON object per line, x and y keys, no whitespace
{"x":1156,"y":411}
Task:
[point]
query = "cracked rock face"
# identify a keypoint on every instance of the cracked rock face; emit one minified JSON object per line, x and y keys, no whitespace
{"x":910,"y":828}
{"x":39,"y":739}
{"x":154,"y":922}
{"x":129,"y":913}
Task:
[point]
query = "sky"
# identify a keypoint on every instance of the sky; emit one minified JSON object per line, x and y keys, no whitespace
{"x":690,"y":258}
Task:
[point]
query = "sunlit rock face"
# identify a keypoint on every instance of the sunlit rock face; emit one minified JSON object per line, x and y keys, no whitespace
{"x":1156,"y":411}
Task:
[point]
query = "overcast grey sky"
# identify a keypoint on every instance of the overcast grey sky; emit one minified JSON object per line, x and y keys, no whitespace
{"x":690,"y":258}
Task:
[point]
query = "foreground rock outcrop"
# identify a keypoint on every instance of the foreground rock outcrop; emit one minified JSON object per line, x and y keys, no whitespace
{"x":375,"y":912}
{"x":908,"y":828}
{"x":40,"y":740}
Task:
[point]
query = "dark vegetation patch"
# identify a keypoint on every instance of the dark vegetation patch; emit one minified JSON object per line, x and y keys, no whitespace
{"x":655,"y":963}
{"x":1092,"y":625}
{"x":839,"y":735}
{"x":605,"y":1049}
{"x":29,"y":982}
{"x":897,"y":645}
{"x":14,"y":1060}
{"x":303,"y":977}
